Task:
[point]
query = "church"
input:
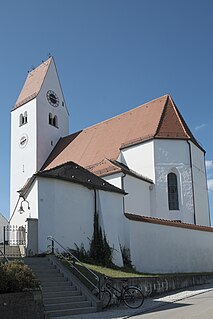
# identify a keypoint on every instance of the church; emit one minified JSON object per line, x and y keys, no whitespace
{"x":143,"y":172}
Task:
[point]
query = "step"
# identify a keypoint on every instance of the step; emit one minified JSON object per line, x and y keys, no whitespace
{"x":64,"y":306}
{"x":65,"y":299}
{"x":56,"y":283}
{"x":50,"y":274}
{"x":56,"y":288}
{"x":48,"y":278}
{"x":60,"y":294}
{"x":69,"y":312}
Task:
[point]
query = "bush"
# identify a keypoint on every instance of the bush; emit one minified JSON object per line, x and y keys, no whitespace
{"x":126,"y":257}
{"x":16,"y":276}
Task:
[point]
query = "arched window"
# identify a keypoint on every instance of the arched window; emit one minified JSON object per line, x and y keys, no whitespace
{"x":25,"y":117}
{"x":55,"y":121}
{"x":172,"y":191}
{"x":21,"y":119}
{"x":50,"y":119}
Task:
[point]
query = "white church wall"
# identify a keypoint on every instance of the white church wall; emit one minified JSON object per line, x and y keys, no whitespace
{"x":173,"y":156}
{"x":114,"y":179}
{"x":140,"y":158}
{"x":23,"y":156}
{"x":112,"y":218}
{"x":20,"y":219}
{"x":165,"y":249}
{"x":66,"y":212}
{"x":48,"y":135}
{"x":200,"y":186}
{"x":137,"y":200}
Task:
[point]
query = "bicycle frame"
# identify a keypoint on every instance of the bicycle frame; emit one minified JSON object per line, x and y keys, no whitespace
{"x":115,"y":291}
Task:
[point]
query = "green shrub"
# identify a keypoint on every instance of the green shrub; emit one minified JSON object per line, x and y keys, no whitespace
{"x":16,"y":276}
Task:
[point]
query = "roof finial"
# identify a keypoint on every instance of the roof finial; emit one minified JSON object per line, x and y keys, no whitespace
{"x":49,"y":55}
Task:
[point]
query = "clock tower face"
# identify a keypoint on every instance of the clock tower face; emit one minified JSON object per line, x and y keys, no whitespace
{"x":52,"y":98}
{"x":23,"y":141}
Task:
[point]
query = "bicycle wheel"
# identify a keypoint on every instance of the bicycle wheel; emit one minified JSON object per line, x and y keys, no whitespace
{"x":105,"y":298}
{"x":133,"y":297}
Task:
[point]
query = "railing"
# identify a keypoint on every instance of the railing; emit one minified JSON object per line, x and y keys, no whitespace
{"x":5,"y":257}
{"x":75,"y":264}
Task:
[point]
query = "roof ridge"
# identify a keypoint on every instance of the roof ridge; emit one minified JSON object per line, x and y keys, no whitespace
{"x":162,"y":116}
{"x":30,"y":91}
{"x":131,"y":110}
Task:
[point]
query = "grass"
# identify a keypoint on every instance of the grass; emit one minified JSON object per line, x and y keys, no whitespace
{"x":114,"y":272}
{"x":121,"y":272}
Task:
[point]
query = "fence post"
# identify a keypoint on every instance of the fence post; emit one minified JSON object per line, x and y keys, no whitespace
{"x":53,"y":250}
{"x":4,"y":239}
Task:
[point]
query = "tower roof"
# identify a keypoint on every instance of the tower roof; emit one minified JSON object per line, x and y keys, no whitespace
{"x":33,"y":83}
{"x":92,"y":146}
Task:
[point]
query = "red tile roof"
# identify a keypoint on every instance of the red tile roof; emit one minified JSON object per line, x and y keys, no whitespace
{"x":33,"y":83}
{"x":92,"y":146}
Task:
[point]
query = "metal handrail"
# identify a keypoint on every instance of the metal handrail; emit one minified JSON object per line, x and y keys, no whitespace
{"x":5,"y":257}
{"x":97,"y":287}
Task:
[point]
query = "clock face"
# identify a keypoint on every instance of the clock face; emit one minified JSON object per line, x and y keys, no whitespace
{"x":23,"y":141}
{"x":52,"y":98}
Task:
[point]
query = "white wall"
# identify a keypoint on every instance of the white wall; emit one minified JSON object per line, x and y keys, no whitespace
{"x":138,"y":199}
{"x":173,"y":156}
{"x":20,"y":219}
{"x":200,"y":186}
{"x":112,"y":218}
{"x":140,"y":158}
{"x":48,"y":135}
{"x":23,"y":159}
{"x":66,"y":211}
{"x":165,"y":249}
{"x":114,"y":179}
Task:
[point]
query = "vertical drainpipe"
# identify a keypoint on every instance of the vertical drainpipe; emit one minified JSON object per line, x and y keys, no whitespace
{"x":207,"y":190}
{"x":193,"y":194}
{"x":123,"y":187}
{"x":95,"y":201}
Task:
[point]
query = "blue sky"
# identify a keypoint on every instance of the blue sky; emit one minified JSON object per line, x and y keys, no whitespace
{"x":111,"y":55}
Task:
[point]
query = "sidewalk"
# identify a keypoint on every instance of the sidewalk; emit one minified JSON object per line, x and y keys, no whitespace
{"x":123,"y":312}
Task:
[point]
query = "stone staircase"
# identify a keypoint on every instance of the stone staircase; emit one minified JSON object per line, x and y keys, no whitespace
{"x":63,"y":294}
{"x":12,"y":252}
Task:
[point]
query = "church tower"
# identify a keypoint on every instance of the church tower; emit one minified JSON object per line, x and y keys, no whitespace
{"x":38,"y":120}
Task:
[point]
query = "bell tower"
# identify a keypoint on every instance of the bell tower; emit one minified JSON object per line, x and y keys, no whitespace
{"x":38,"y":120}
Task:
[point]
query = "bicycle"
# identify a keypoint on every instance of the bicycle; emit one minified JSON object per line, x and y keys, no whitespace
{"x":132,"y":296}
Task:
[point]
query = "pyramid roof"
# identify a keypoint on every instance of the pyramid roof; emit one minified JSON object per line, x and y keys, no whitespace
{"x":33,"y":83}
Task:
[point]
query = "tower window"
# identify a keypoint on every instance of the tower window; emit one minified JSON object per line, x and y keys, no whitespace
{"x":53,"y":120}
{"x":172,"y":191}
{"x":23,"y":118}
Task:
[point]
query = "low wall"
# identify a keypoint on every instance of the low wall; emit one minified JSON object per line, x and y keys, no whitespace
{"x":159,"y":246}
{"x":21,"y":305}
{"x":152,"y":286}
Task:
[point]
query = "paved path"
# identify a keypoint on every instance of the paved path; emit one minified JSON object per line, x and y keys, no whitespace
{"x":152,"y":307}
{"x":199,"y":306}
